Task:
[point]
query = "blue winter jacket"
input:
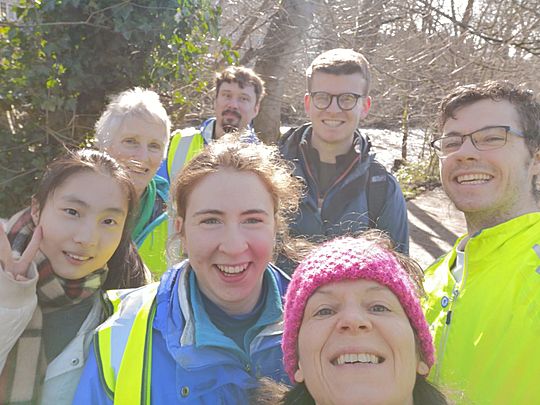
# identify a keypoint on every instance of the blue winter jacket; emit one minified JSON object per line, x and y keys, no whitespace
{"x":193,"y":362}
{"x":343,"y":209}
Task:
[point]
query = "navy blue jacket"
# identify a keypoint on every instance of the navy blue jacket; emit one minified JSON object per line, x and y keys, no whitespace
{"x":343,"y":209}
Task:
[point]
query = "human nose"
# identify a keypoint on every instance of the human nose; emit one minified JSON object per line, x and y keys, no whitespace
{"x":234,"y":241}
{"x":467,"y":150}
{"x":233,"y":103}
{"x":141,"y":154}
{"x":334,"y":106}
{"x":86,"y":234}
{"x":353,"y":320}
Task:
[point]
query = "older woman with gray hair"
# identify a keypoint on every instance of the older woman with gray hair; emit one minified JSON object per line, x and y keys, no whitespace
{"x":135,"y":129}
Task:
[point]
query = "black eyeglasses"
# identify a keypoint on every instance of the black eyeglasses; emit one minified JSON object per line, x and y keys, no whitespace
{"x":345,"y":101}
{"x":487,"y":138}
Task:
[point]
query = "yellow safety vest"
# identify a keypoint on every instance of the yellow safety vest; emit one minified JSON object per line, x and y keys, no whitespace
{"x":181,"y":150}
{"x":123,"y":345}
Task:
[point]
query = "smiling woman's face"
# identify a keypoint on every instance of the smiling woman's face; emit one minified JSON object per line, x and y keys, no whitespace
{"x":356,"y":345}
{"x":138,"y":145}
{"x":228,"y":235}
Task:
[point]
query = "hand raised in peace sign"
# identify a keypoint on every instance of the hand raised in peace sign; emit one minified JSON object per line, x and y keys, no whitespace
{"x":18,"y":267}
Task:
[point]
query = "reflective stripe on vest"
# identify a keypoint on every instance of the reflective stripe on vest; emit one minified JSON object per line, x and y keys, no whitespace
{"x":124,"y":373}
{"x":181,"y":150}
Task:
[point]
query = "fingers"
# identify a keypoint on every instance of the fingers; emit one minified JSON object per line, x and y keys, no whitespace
{"x":19,"y":266}
{"x":31,"y":250}
{"x":5,"y":249}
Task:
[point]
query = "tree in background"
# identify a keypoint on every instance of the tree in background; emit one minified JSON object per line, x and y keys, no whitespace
{"x":419,"y":49}
{"x":61,"y":59}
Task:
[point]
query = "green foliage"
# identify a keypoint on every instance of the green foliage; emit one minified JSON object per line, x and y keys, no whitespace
{"x":61,"y":60}
{"x":417,"y":177}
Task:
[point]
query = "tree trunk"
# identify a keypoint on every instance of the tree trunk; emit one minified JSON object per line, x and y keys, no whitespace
{"x":275,"y":58}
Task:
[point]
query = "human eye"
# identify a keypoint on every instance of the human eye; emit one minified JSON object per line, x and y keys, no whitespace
{"x":71,"y":212}
{"x":322,"y":97}
{"x":110,"y":221}
{"x":156,"y":147}
{"x":210,"y":221}
{"x":253,"y":220}
{"x":130,"y":141}
{"x":490,"y":136}
{"x":450,"y":142}
{"x":379,"y":308}
{"x":347,"y":98}
{"x":245,"y":99}
{"x":323,"y":312}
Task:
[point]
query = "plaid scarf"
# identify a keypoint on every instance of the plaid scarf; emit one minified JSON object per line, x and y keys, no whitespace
{"x":22,"y":378}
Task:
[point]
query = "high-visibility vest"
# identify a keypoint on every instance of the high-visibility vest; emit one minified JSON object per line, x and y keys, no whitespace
{"x":153,"y":249}
{"x":181,"y":150}
{"x":120,"y":341}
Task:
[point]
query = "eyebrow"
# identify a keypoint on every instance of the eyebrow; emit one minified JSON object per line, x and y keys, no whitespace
{"x":219,"y":212}
{"x":75,"y":200}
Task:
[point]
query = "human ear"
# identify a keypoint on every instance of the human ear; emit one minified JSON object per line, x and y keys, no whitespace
{"x":34,"y":211}
{"x":178,"y":223}
{"x":422,"y":368}
{"x":179,"y":230}
{"x":366,"y":105}
{"x":307,"y":105}
{"x":299,"y":375}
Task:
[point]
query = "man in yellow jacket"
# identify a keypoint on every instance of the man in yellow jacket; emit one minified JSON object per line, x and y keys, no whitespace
{"x":484,"y":295}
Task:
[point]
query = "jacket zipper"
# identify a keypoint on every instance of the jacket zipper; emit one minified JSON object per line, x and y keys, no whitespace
{"x":456,"y":291}
{"x":320,"y":200}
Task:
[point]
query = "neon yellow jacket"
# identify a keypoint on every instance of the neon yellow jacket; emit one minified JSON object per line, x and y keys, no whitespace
{"x":487,"y":328}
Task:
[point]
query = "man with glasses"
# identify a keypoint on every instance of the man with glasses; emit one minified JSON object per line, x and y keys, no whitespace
{"x":484,"y":295}
{"x":347,"y":190}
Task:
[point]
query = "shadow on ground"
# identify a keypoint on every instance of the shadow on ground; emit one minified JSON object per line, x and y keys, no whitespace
{"x":434,"y":226}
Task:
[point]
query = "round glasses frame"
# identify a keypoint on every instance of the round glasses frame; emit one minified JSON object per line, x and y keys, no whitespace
{"x":342,"y":99}
{"x":437,"y":143}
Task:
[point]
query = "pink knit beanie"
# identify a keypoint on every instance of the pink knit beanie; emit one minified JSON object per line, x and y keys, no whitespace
{"x":350,"y":259}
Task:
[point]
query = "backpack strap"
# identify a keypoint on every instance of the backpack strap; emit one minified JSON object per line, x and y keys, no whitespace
{"x":377,"y":187}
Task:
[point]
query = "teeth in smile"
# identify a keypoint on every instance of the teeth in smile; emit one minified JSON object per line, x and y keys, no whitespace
{"x":332,"y":123}
{"x":232,"y":269}
{"x":476,"y":178}
{"x":351,"y":358}
{"x":77,"y":257}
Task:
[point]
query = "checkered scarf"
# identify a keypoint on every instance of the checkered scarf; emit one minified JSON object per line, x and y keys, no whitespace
{"x":22,"y":378}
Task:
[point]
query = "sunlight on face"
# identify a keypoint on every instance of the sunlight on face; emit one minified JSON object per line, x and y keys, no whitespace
{"x":228,"y":235}
{"x":356,"y":345}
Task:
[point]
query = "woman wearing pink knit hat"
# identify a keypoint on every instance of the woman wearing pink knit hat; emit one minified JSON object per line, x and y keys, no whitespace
{"x":354,"y":330}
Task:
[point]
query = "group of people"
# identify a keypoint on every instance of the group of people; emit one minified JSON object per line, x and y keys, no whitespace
{"x":343,"y":317}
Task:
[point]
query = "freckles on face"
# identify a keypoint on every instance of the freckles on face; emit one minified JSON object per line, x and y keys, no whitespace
{"x":356,"y":345}
{"x":229,"y":234}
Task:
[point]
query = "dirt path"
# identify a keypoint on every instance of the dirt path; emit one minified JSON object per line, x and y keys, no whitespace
{"x":434,"y":226}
